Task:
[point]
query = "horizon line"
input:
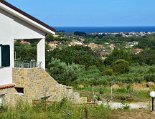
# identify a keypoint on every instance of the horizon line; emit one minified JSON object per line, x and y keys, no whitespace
{"x":103,"y":26}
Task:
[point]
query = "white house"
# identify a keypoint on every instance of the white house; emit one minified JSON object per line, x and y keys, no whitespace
{"x":16,"y":24}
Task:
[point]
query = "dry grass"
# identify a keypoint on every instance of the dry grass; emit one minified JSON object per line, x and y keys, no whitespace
{"x":133,"y":114}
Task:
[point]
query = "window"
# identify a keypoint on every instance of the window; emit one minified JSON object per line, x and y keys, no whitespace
{"x":19,"y":89}
{"x":4,"y":55}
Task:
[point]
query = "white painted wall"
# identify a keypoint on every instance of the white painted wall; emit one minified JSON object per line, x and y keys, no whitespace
{"x":41,"y":53}
{"x":13,"y":28}
{"x":0,"y":57}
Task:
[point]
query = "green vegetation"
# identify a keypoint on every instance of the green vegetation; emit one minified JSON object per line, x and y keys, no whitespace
{"x":61,"y":110}
{"x":76,"y":54}
{"x":75,"y":65}
{"x":83,"y":65}
{"x":111,"y":38}
{"x":120,"y":94}
{"x":67,"y":110}
{"x":129,"y":75}
{"x":25,"y":51}
{"x":118,"y":54}
{"x":120,"y":73}
{"x":120,"y":66}
{"x":62,"y":72}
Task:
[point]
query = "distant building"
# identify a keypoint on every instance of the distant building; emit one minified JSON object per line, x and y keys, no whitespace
{"x":112,"y":46}
{"x":76,"y":43}
{"x":137,"y":50}
{"x":94,"y":46}
{"x":25,"y":42}
{"x":131,"y":44}
{"x":53,"y":44}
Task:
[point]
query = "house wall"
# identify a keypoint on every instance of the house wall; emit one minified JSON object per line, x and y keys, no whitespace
{"x":41,"y":53}
{"x":13,"y":28}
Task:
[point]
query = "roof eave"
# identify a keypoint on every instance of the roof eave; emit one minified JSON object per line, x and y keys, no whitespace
{"x":26,"y":19}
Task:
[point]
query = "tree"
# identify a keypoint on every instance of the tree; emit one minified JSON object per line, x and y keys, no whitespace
{"x":118,"y":54}
{"x":62,"y":72}
{"x":120,"y":66}
{"x":147,"y":42}
{"x":145,"y":57}
{"x":26,"y":52}
{"x":78,"y":55}
{"x":108,"y":72}
{"x":80,"y":33}
{"x":49,"y":38}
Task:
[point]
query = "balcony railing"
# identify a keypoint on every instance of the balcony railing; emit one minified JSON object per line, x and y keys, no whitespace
{"x":27,"y":64}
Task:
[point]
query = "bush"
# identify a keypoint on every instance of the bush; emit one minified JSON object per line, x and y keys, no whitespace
{"x":76,"y":54}
{"x":62,"y":72}
{"x":108,"y":72}
{"x":55,"y":110}
{"x":120,"y":66}
{"x":138,"y":79}
{"x":118,"y":54}
{"x":149,"y":77}
{"x":151,"y":70}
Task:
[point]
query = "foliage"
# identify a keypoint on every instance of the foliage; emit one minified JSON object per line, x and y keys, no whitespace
{"x":118,"y":54}
{"x":136,"y":74}
{"x":26,"y":52}
{"x":49,"y":38}
{"x":74,"y":74}
{"x":147,"y":42}
{"x":151,"y":70}
{"x":145,"y":57}
{"x":80,"y":65}
{"x":110,"y":38}
{"x":120,"y":66}
{"x":148,"y":55}
{"x":149,"y":77}
{"x":108,"y":72}
{"x":119,"y":94}
{"x":76,"y":54}
{"x":57,"y":110}
{"x":62,"y":72}
{"x":80,"y":33}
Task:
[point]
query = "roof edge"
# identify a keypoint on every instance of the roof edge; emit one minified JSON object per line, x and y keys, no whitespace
{"x":7,"y":86}
{"x":28,"y":16}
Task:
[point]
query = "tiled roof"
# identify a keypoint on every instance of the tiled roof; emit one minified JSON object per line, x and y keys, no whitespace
{"x":7,"y":86}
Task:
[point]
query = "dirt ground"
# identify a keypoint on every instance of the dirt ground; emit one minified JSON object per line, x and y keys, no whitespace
{"x":133,"y":114}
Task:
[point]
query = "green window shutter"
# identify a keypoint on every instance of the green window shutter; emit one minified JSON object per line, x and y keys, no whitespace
{"x":5,"y":52}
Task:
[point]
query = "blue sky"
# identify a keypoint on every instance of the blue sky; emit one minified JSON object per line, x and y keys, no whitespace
{"x":90,"y":12}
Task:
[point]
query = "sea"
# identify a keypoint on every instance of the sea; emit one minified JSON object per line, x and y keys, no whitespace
{"x":106,"y":29}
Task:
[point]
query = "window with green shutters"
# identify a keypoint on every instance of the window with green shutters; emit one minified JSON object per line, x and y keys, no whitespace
{"x":5,"y":55}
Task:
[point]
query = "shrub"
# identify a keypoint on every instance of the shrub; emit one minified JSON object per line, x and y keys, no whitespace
{"x":55,"y":110}
{"x":76,"y":54}
{"x":108,"y":72}
{"x":118,"y":54}
{"x":62,"y":72}
{"x":138,"y":79}
{"x":120,"y":66}
{"x":149,"y":77}
{"x":151,"y":70}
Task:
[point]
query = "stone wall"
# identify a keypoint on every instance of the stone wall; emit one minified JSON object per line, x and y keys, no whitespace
{"x":37,"y":84}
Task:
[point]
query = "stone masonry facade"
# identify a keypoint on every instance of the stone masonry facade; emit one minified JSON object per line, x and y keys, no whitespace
{"x":37,"y":84}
